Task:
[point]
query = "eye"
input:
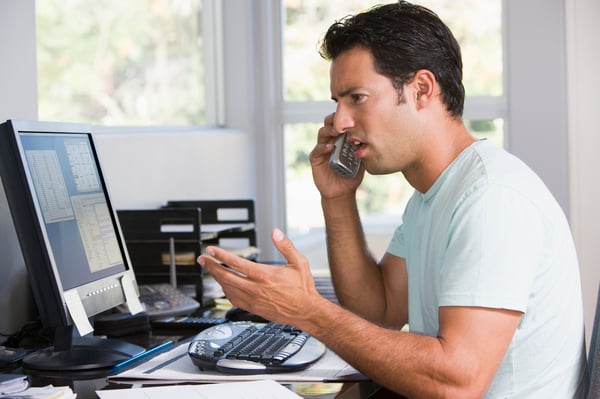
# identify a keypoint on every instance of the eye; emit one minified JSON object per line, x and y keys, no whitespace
{"x":358,"y":98}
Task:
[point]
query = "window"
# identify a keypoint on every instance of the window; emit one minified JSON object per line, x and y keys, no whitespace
{"x":306,"y":81}
{"x":160,"y":70}
{"x":134,"y":62}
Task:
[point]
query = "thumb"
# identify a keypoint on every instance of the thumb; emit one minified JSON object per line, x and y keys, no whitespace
{"x":285,"y":246}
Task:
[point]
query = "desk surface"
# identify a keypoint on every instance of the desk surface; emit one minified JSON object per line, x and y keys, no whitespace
{"x":86,"y":388}
{"x":86,"y":385}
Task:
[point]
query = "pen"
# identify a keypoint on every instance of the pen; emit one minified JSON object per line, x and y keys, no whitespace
{"x":149,"y":352}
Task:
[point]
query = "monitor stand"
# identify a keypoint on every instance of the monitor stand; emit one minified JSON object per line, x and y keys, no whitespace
{"x":80,"y":354}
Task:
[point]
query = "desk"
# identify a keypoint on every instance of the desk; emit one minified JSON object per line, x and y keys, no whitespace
{"x":86,"y":388}
{"x":86,"y":385}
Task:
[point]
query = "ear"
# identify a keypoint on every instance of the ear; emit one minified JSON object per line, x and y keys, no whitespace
{"x":424,"y":85}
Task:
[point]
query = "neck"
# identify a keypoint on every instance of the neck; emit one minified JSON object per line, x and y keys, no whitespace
{"x":442,"y":147}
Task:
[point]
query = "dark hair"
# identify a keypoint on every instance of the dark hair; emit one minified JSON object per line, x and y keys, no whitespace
{"x":403,"y":39}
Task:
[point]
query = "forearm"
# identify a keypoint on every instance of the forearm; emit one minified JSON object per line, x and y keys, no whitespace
{"x":416,"y":366}
{"x":356,"y":277}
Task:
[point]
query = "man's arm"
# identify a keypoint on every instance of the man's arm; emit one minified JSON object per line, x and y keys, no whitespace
{"x":459,"y":363}
{"x":378,"y":292}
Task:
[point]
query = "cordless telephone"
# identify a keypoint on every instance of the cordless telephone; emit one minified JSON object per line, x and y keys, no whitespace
{"x":342,"y":160}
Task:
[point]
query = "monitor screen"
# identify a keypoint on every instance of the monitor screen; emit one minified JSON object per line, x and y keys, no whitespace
{"x":70,"y":239}
{"x":73,"y":205}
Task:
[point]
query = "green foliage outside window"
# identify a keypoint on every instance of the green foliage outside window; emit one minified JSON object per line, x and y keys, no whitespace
{"x":115,"y":62}
{"x":306,"y":77}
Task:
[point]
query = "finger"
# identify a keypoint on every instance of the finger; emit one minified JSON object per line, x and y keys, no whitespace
{"x":235,"y":286}
{"x":240,"y":290}
{"x":224,"y":260}
{"x":321,"y":151}
{"x":217,"y":269}
{"x":286,"y":247}
{"x":327,"y":132}
{"x":328,"y":121}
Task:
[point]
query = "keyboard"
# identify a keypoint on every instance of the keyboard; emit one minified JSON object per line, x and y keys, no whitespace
{"x":246,"y":347}
{"x":324,"y":286}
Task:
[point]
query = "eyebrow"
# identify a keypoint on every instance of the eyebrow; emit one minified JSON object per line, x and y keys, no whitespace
{"x":344,"y":93}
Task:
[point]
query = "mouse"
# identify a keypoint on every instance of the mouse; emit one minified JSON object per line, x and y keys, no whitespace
{"x":239,"y":314}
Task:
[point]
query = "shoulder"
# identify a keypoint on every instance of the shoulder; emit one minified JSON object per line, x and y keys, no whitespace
{"x":486,"y":168}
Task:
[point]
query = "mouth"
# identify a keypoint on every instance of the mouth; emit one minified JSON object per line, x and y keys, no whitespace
{"x":357,"y":146}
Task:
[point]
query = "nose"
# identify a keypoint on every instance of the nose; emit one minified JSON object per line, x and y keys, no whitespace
{"x":342,"y":120}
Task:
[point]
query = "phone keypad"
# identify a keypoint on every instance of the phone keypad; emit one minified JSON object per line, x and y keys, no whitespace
{"x":342,"y":159}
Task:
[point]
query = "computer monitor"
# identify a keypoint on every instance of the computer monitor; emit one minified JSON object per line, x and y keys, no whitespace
{"x":70,"y":239}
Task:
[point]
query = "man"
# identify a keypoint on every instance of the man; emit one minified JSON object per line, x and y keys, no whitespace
{"x":483,"y":268}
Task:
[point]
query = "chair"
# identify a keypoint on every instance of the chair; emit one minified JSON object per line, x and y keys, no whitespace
{"x":594,"y":356}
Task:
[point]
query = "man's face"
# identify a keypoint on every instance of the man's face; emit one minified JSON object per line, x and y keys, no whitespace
{"x":379,"y":126}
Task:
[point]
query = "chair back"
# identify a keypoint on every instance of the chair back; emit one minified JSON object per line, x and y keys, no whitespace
{"x":594,"y":355}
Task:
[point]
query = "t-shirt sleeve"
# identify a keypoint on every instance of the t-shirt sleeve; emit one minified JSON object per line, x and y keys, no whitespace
{"x":397,"y":245}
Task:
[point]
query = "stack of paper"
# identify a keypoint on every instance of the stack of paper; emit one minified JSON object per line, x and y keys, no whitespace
{"x":47,"y":392}
{"x":11,"y":383}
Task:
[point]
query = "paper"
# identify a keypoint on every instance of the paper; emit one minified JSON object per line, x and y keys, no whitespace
{"x":11,"y":383}
{"x":133,"y":301}
{"x":47,"y":392}
{"x":176,"y":365}
{"x":77,"y":312}
{"x":267,"y":389}
{"x":226,"y":227}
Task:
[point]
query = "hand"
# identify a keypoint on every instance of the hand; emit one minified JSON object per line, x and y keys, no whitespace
{"x":277,"y":293}
{"x":330,"y":184}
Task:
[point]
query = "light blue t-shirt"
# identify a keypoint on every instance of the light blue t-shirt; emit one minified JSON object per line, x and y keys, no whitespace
{"x":488,"y":233}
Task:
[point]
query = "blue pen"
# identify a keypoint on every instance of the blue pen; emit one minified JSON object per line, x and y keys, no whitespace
{"x":149,"y":352}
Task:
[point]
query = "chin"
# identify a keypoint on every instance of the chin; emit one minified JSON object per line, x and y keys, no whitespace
{"x":378,"y":170}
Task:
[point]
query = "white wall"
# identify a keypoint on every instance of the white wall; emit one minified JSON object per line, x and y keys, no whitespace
{"x":536,"y":89}
{"x":145,"y":170}
{"x":18,"y":78}
{"x":583,"y":55}
{"x":18,"y":99}
{"x":553,"y":85}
